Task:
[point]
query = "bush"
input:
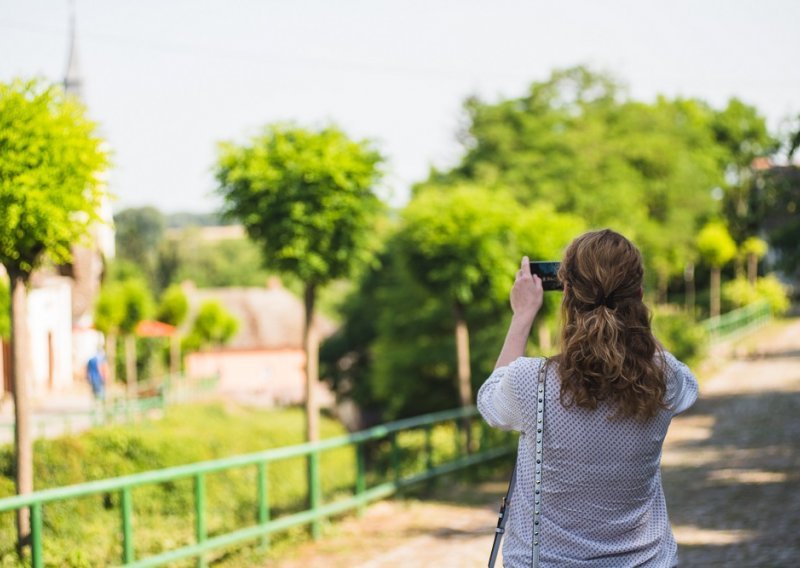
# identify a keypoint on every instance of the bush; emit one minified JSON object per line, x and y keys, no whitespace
{"x":680,"y":334}
{"x":164,"y":514}
{"x":738,"y":293}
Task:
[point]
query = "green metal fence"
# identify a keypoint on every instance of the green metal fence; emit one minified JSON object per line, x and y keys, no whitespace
{"x":738,"y":322}
{"x":464,"y":420}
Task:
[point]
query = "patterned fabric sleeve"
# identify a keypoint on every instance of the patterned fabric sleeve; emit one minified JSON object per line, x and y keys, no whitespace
{"x":497,"y":398}
{"x":681,"y":385}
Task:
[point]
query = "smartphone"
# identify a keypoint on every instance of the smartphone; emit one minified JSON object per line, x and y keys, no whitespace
{"x":548,"y":272}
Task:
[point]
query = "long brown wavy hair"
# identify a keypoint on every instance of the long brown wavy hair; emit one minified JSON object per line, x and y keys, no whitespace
{"x":607,"y":347}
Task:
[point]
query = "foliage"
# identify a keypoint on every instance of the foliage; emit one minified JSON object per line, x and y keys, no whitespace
{"x":306,"y":198}
{"x":680,"y":334}
{"x":394,"y":354}
{"x":755,"y":247}
{"x":212,"y":326}
{"x":715,"y":245}
{"x":739,"y":292}
{"x":164,"y":513}
{"x":229,"y":262}
{"x":459,"y":243}
{"x":50,"y":190}
{"x":173,"y":306}
{"x":139,"y":232}
{"x":575,"y":142}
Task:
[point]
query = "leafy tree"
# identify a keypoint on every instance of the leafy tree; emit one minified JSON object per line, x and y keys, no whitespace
{"x":212,"y":326}
{"x":50,"y":193}
{"x":753,"y":249}
{"x":717,"y":248}
{"x":137,"y":305}
{"x":108,"y":315}
{"x":742,"y":133}
{"x":307,"y":199}
{"x":459,"y":245}
{"x":174,"y":306}
{"x":577,"y":143}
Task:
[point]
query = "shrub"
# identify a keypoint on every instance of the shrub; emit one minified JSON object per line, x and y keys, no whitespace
{"x":680,"y":334}
{"x":738,"y":293}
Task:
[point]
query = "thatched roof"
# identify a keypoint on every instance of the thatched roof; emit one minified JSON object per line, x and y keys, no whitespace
{"x":269,"y":317}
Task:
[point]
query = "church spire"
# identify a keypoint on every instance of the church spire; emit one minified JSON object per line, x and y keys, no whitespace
{"x":72,"y":78}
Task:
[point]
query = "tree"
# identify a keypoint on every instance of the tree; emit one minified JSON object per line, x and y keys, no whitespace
{"x":50,"y":193}
{"x":213,"y":326}
{"x":576,"y":142}
{"x":307,"y":199}
{"x":460,"y":245}
{"x":717,"y":248}
{"x":108,"y":315}
{"x":753,"y":249}
{"x":137,"y":305}
{"x":173,"y":309}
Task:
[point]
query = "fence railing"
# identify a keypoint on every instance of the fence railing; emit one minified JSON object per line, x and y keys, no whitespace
{"x":738,"y":322}
{"x":485,"y":447}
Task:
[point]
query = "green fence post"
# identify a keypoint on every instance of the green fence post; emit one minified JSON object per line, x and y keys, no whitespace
{"x":263,"y":501}
{"x":395,"y":458}
{"x":361,"y":476}
{"x":126,"y":501}
{"x":200,"y":514}
{"x":314,"y":492}
{"x":428,"y":447}
{"x":37,"y":559}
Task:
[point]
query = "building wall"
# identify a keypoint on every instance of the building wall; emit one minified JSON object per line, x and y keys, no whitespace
{"x":264,"y":377}
{"x":50,"y":329}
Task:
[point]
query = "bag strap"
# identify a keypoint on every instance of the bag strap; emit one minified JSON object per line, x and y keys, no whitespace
{"x":502,"y":518}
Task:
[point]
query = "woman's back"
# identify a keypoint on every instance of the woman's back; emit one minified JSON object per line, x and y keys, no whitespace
{"x":600,"y":494}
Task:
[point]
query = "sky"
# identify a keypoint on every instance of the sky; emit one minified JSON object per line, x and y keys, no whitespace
{"x":166,"y":80}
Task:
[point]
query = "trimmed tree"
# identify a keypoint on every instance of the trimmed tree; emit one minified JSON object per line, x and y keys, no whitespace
{"x":459,"y":244}
{"x":717,"y":248}
{"x":50,"y":193}
{"x":306,"y":197}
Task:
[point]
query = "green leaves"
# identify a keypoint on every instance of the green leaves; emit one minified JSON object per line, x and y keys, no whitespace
{"x":306,"y":197}
{"x":213,"y":325}
{"x":715,"y":244}
{"x":50,"y":160}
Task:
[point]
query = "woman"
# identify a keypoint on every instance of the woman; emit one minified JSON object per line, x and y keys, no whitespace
{"x":593,"y":495}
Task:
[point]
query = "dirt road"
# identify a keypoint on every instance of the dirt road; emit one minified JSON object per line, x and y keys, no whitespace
{"x":731,"y":472}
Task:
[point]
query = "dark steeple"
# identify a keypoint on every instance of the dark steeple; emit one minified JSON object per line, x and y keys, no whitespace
{"x":72,"y":78}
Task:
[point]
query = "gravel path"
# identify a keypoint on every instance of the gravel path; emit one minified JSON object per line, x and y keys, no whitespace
{"x":731,"y":472}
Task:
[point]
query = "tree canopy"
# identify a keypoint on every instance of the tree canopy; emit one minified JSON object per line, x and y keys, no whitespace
{"x":50,"y":188}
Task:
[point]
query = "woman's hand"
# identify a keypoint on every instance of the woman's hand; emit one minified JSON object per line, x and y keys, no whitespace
{"x":527,"y":293}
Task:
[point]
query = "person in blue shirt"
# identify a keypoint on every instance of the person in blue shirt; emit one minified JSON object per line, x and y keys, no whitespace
{"x":97,"y":374}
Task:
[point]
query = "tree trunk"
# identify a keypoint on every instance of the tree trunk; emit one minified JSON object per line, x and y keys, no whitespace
{"x":175,"y":355}
{"x":663,"y":287}
{"x":715,"y":286}
{"x":20,"y":377}
{"x":462,"y":355}
{"x":311,"y":346}
{"x":752,"y":268}
{"x":130,"y":365}
{"x":464,"y":372}
{"x":111,"y":353}
{"x":688,"y":277}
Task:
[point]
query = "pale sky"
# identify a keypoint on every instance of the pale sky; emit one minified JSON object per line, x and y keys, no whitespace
{"x":166,"y":80}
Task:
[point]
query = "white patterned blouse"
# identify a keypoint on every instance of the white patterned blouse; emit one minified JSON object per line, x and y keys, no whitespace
{"x":600,"y":496}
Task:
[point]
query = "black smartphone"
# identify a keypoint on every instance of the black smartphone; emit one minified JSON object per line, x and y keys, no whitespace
{"x":547,"y":270}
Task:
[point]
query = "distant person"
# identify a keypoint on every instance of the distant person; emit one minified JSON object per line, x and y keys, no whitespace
{"x":97,"y":374}
{"x":587,"y":490}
